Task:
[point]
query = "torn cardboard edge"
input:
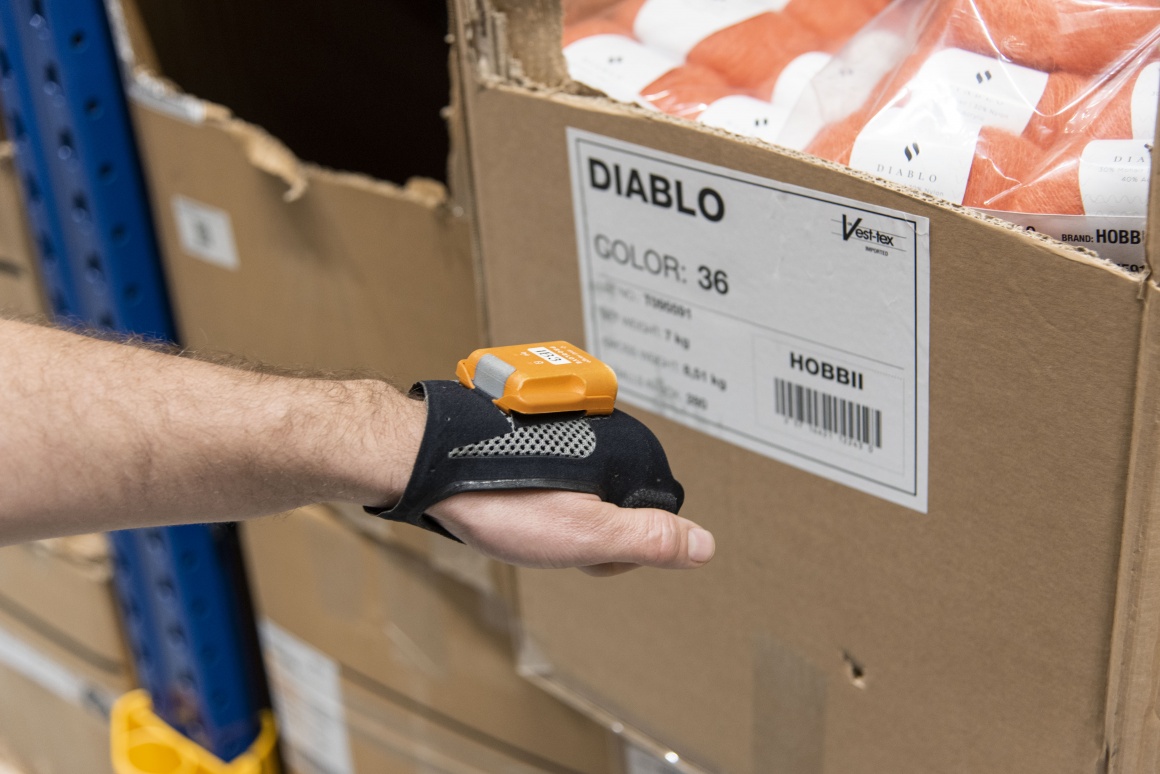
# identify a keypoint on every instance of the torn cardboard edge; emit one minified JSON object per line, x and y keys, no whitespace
{"x":511,"y":48}
{"x":266,"y":152}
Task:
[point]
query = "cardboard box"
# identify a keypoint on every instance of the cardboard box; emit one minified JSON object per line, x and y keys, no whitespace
{"x":58,"y":596}
{"x":276,"y":259}
{"x":20,"y":292}
{"x":389,"y":622}
{"x":337,"y":720}
{"x":1010,"y":627}
{"x":53,"y":720}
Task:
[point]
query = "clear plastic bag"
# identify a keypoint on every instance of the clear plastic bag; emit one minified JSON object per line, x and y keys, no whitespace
{"x":737,"y":64}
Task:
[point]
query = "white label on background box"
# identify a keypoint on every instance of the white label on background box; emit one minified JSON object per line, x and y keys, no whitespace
{"x":1145,"y":95}
{"x":1113,"y":177}
{"x":26,"y":660}
{"x":307,"y":698}
{"x":790,"y":322}
{"x":915,"y":146}
{"x":984,"y":90}
{"x":616,"y":65}
{"x":205,"y":232}
{"x":1119,"y":239}
{"x":677,"y":26}
{"x":746,"y":116}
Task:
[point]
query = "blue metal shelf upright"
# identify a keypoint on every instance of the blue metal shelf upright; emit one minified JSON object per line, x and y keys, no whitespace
{"x":182,"y":589}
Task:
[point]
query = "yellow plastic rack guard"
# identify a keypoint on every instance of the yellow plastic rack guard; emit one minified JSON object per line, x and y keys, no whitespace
{"x":143,"y":743}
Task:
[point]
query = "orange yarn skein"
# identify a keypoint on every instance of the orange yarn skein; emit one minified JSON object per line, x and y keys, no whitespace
{"x":752,"y":51}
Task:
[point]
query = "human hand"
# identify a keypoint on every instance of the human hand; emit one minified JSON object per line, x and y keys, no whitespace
{"x":552,"y":529}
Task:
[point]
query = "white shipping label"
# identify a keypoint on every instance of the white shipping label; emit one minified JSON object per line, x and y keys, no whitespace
{"x":616,"y":65}
{"x":307,"y":695}
{"x":1145,"y":96}
{"x":677,"y":26}
{"x":982,"y":89}
{"x":205,"y":232}
{"x":790,"y":322}
{"x":1113,"y":177}
{"x":746,"y":116}
{"x":916,"y":146}
{"x":1119,"y":239}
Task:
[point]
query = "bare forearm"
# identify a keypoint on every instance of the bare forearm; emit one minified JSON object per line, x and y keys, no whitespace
{"x":96,"y":435}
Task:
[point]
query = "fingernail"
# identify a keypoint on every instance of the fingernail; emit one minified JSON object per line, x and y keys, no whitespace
{"x":702,"y":546}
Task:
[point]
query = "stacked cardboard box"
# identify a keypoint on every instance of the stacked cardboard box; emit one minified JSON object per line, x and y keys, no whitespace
{"x":63,"y":658}
{"x":20,"y":292}
{"x":62,"y":655}
{"x":991,"y":610}
{"x":389,"y":650}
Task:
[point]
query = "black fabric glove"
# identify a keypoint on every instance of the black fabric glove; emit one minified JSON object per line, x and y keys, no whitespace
{"x":470,"y":445}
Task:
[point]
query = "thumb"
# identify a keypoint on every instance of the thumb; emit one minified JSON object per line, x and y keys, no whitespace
{"x":654,"y":538}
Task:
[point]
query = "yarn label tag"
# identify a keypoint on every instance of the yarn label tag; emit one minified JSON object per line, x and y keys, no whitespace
{"x":981,"y":89}
{"x":1113,"y":177}
{"x":1117,"y":238}
{"x":916,"y":147}
{"x":677,"y":26}
{"x":746,"y":116}
{"x":617,"y":65}
{"x":307,"y":695}
{"x":1145,"y":96}
{"x":790,"y":322}
{"x":796,"y":76}
{"x":840,"y":87}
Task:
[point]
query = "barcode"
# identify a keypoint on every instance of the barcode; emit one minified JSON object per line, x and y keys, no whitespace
{"x":823,"y":411}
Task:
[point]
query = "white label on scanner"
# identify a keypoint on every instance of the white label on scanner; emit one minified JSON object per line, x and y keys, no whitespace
{"x":916,"y":146}
{"x":677,"y":26}
{"x":746,"y":116}
{"x":616,"y":65}
{"x":549,"y":356}
{"x":307,"y":694}
{"x":205,"y":232}
{"x":1145,"y":95}
{"x":1113,"y":177}
{"x":790,"y":322}
{"x":983,"y":90}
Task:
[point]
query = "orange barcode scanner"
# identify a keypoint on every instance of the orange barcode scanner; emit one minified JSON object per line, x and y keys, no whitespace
{"x":533,"y":416}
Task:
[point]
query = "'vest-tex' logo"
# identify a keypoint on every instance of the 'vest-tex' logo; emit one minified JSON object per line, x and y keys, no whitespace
{"x":853,"y":229}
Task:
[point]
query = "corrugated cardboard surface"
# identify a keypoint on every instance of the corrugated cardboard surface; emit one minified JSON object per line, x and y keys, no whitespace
{"x":58,"y":595}
{"x":20,"y":292}
{"x":44,"y":734}
{"x":835,"y":632}
{"x":402,"y":629}
{"x":334,"y":271}
{"x":387,"y":738}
